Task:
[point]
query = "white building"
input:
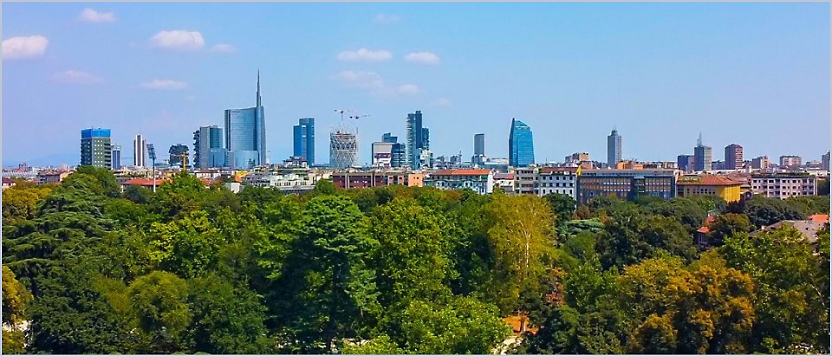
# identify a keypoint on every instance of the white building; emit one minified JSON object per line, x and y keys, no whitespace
{"x":505,"y":182}
{"x":382,"y":154}
{"x":784,"y":185}
{"x":525,"y":180}
{"x":556,"y":180}
{"x":481,"y":181}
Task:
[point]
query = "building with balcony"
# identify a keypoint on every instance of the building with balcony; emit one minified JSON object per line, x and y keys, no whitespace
{"x":709,"y":185}
{"x":481,"y":181}
{"x":562,"y":180}
{"x":784,"y":185}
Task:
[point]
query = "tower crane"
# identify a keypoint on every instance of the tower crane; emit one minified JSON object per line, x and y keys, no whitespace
{"x":184,"y":157}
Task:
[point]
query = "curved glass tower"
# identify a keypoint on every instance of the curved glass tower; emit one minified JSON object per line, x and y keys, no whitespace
{"x":245,"y":135}
{"x":520,"y":144}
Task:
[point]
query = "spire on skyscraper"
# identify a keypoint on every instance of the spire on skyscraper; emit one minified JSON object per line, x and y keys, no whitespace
{"x":699,"y":141}
{"x":258,"y":87}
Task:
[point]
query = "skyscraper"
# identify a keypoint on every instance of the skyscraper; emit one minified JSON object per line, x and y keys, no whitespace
{"x":245,"y":134}
{"x":733,"y":157}
{"x":389,"y":138}
{"x":701,"y":156}
{"x":208,"y":150}
{"x":613,"y":148}
{"x":96,"y":149}
{"x":824,"y":161}
{"x":479,"y":150}
{"x":139,"y":151}
{"x":418,"y":139}
{"x":304,"y":139}
{"x":520,"y":144}
{"x":116,"y":156}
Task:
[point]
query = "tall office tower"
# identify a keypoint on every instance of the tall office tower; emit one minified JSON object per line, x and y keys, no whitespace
{"x":418,"y":139}
{"x":116,"y":156}
{"x":139,"y":151}
{"x":613,"y":148}
{"x":520,"y":144}
{"x":304,"y":139}
{"x":343,"y":149}
{"x":398,"y":155}
{"x":479,"y":150}
{"x":245,"y":134}
{"x":389,"y":138}
{"x":701,"y":156}
{"x":96,"y":149}
{"x":733,"y":157}
{"x":685,"y":162}
{"x":208,"y":150}
{"x":824,"y":161}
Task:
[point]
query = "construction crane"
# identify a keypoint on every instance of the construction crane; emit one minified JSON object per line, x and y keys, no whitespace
{"x":184,"y":157}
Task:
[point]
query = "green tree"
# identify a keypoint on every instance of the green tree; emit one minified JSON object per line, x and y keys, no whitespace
{"x":563,"y":206}
{"x":15,"y":301}
{"x":726,"y":225}
{"x":158,"y":306}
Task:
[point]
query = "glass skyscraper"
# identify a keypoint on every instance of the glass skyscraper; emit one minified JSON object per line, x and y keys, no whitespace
{"x":613,"y":148}
{"x":96,"y":149}
{"x":304,"y":139}
{"x":245,"y":135}
{"x":418,"y":139}
{"x":208,"y":150}
{"x":520,"y":144}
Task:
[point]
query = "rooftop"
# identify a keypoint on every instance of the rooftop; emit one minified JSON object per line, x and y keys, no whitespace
{"x":710,"y":180}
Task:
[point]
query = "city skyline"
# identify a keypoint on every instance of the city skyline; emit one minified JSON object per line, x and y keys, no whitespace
{"x":654,"y":74}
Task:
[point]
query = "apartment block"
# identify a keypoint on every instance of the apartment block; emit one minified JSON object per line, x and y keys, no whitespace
{"x":562,"y":180}
{"x":784,"y":185}
{"x":625,"y":184}
{"x":481,"y":181}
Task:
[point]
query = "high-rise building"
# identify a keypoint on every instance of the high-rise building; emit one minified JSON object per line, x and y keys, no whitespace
{"x":389,"y":138}
{"x":398,"y":156}
{"x":304,"y":139}
{"x":139,"y":151}
{"x":245,"y":134}
{"x":418,"y":139}
{"x":382,"y":154}
{"x":176,"y":151}
{"x":701,"y":156}
{"x":733,"y":157}
{"x":343,"y":149}
{"x":613,"y":148}
{"x":208,"y":150}
{"x":824,"y":161}
{"x":520,"y":144}
{"x":685,"y":162}
{"x":116,"y":157}
{"x":96,"y":149}
{"x":761,"y":163}
{"x":790,"y":161}
{"x":479,"y":144}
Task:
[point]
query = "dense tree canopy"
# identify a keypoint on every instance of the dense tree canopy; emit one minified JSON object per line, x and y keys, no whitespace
{"x":88,"y":268}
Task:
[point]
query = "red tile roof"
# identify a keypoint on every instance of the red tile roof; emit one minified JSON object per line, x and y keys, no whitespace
{"x":7,"y":181}
{"x":502,"y":176}
{"x":462,"y":172}
{"x":819,"y":218}
{"x":145,"y":182}
{"x":710,"y":180}
{"x":704,"y":229}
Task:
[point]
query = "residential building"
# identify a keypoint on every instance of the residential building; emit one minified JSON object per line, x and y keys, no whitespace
{"x":382,"y":154}
{"x":245,"y":134}
{"x":625,"y":184}
{"x":560,"y":180}
{"x":96,"y":149}
{"x":760,"y":163}
{"x":304,"y":139}
{"x":525,"y":180}
{"x":139,"y":151}
{"x":790,"y":161}
{"x":577,"y":158}
{"x":685,"y":162}
{"x":208,"y":148}
{"x":629,"y":165}
{"x":784,"y":185}
{"x":702,"y":156}
{"x":481,"y":181}
{"x":733,"y":157}
{"x":418,"y":139}
{"x":52,"y":176}
{"x":709,"y":185}
{"x":504,"y":181}
{"x":825,"y":161}
{"x":8,"y":183}
{"x":520,"y":144}
{"x":116,"y":157}
{"x":613,"y":148}
{"x":369,"y":179}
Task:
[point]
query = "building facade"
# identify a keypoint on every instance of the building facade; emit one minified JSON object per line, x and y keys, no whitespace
{"x":116,"y":156}
{"x":525,"y":180}
{"x":245,"y":135}
{"x":556,"y":180}
{"x":343,"y":149}
{"x":709,"y":185}
{"x":479,"y":150}
{"x":685,"y":162}
{"x":784,"y":186}
{"x":760,"y":163}
{"x":139,"y":151}
{"x":304,"y":139}
{"x":208,"y":148}
{"x":733,"y":157}
{"x":418,"y":139}
{"x":96,"y":148}
{"x":824,"y":161}
{"x":613,"y":148}
{"x":382,"y":154}
{"x":520,"y":144}
{"x":625,"y":184}
{"x":702,"y":156}
{"x":790,"y":161}
{"x":481,"y":181}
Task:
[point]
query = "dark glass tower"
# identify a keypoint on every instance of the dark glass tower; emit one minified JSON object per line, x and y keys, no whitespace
{"x":613,"y":148}
{"x":520,"y":144}
{"x":304,"y":139}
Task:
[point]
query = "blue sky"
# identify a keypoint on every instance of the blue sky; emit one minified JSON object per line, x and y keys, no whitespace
{"x":756,"y":74}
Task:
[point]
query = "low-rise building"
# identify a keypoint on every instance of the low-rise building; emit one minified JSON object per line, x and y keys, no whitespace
{"x":368,"y":179}
{"x":562,"y":180}
{"x":52,"y":176}
{"x":784,"y":185}
{"x":481,"y":181}
{"x":625,"y":184}
{"x":525,"y":180}
{"x":709,"y":185}
{"x":504,"y":181}
{"x":808,"y":228}
{"x":8,"y":183}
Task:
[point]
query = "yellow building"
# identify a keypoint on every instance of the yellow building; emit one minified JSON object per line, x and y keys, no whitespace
{"x":709,"y":185}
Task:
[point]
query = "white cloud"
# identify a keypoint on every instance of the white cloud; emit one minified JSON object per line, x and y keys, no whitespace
{"x":441,"y":102}
{"x":361,"y":79}
{"x":90,"y":15}
{"x":223,"y":48}
{"x":422,"y":58}
{"x":408,"y":89}
{"x":24,"y":47}
{"x":178,"y":40}
{"x":386,"y":19}
{"x":167,"y":84}
{"x":76,"y":77}
{"x":365,"y":55}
